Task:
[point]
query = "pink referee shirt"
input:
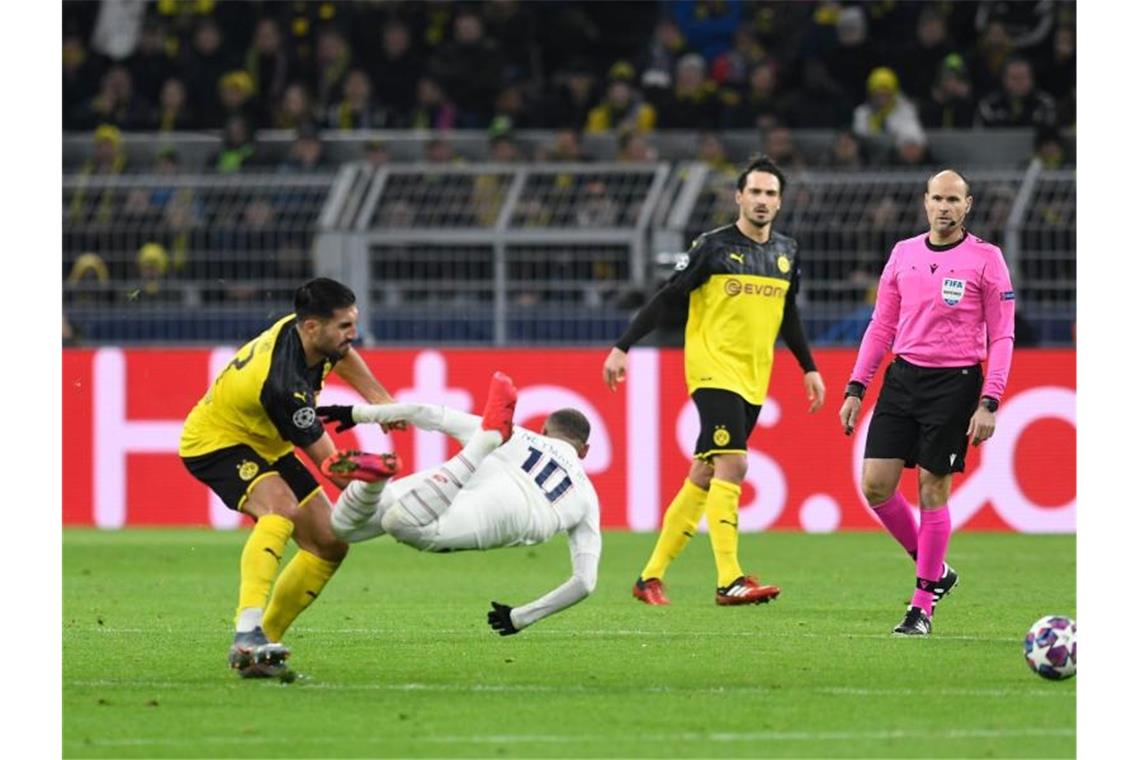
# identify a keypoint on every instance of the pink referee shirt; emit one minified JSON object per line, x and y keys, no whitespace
{"x":942,"y":306}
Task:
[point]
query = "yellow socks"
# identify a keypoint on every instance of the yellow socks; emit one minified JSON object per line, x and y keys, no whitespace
{"x":260,"y":558}
{"x":722,"y":508}
{"x":299,"y":584}
{"x":677,"y":528}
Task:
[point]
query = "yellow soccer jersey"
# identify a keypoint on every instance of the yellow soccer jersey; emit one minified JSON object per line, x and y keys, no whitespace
{"x":738,"y":290}
{"x":265,"y":398}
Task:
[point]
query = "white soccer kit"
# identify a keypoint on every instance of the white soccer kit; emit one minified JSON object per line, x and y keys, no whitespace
{"x":522,"y":493}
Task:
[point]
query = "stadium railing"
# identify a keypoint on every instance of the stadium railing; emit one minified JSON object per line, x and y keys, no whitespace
{"x":509,"y":254}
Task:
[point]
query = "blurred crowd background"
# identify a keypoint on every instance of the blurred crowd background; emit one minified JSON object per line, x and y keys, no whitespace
{"x":893,"y":68}
{"x":513,"y":172}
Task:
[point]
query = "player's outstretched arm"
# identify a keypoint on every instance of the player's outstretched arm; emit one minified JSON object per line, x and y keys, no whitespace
{"x":356,"y":373}
{"x":585,"y":553}
{"x":453,"y":422}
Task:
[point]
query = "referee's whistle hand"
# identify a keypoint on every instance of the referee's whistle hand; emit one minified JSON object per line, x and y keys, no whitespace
{"x":613,"y":371}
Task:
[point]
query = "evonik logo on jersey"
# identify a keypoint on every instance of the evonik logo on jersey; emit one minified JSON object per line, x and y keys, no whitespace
{"x":952,"y":291}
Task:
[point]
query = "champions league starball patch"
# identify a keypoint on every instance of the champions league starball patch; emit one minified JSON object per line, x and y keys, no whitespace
{"x":304,"y":418}
{"x":952,"y":291}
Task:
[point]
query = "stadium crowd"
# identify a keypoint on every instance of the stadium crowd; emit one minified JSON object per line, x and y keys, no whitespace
{"x":872,"y":68}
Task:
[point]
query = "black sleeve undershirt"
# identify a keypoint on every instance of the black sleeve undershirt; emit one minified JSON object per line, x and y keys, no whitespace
{"x":792,"y":331}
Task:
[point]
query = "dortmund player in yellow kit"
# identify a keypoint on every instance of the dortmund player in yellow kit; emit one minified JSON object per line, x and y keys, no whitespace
{"x":738,"y":286}
{"x":239,"y":440}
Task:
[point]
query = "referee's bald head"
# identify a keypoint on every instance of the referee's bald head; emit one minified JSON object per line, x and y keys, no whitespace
{"x":944,"y":173}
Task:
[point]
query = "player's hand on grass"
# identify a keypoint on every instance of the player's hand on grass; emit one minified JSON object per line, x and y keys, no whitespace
{"x":981,"y":427}
{"x":849,"y":412}
{"x":499,"y":618}
{"x":613,"y":371}
{"x":813,"y":384}
{"x":342,"y":415}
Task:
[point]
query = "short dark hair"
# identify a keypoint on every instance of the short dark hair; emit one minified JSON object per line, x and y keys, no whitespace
{"x":955,"y":171}
{"x":569,"y":423}
{"x":320,"y":297}
{"x":760,"y":163}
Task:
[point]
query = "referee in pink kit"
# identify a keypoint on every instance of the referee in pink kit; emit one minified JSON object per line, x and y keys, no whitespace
{"x":945,"y":303}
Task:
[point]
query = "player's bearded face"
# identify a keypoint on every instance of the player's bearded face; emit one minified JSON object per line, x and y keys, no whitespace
{"x":759,"y":201}
{"x":338,"y":333}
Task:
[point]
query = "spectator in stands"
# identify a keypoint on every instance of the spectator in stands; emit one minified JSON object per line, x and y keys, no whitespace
{"x":174,"y":112}
{"x":886,"y":111}
{"x":634,"y":148}
{"x":1049,"y":149}
{"x":910,"y":151}
{"x":329,"y":68}
{"x":295,"y":110}
{"x":660,"y":59}
{"x":1027,"y":24}
{"x":707,"y":25}
{"x":693,"y":102}
{"x":376,"y":153}
{"x":513,"y":25}
{"x":503,"y":146}
{"x":357,"y":109}
{"x":202,"y":67}
{"x":81,"y":75}
{"x":116,"y":103}
{"x":566,"y":146}
{"x":918,"y":63}
{"x":571,"y":98}
{"x":596,"y":208}
{"x":852,"y":59}
{"x":395,"y":66}
{"x":1018,"y":103}
{"x":89,"y":281}
{"x":760,"y":106}
{"x":433,"y":109}
{"x":992,"y":50}
{"x":438,"y":151}
{"x":780,"y":146}
{"x":732,"y":69}
{"x":235,"y":93}
{"x":107,"y":159}
{"x":819,"y":102}
{"x":239,"y":149}
{"x":151,"y":65}
{"x":305,"y":154}
{"x":846,"y":152}
{"x":622,"y":107}
{"x":1058,"y":72}
{"x":711,"y":153}
{"x":470,"y":68}
{"x":951,"y":101}
{"x":152,"y":263}
{"x":513,"y":103}
{"x":267,"y":62}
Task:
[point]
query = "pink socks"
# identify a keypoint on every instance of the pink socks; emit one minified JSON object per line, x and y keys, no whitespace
{"x":898,"y":518}
{"x":933,"y":539}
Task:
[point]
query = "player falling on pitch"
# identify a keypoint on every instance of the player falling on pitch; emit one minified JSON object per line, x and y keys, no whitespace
{"x":508,"y":486}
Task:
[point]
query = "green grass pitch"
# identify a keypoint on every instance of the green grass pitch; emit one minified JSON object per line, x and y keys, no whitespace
{"x":397,"y":660}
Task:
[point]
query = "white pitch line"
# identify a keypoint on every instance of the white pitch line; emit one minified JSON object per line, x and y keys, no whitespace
{"x":686,"y":736}
{"x":836,"y":691}
{"x":403,"y":632}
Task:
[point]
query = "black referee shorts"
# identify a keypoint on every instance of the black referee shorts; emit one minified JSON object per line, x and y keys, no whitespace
{"x":726,"y":422}
{"x":922,"y":416}
{"x":231,"y":472}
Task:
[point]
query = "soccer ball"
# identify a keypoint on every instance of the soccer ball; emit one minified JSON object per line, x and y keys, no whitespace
{"x":1051,"y":647}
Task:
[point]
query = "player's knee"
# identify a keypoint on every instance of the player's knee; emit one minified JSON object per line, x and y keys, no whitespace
{"x":875,"y":491}
{"x":272,"y":496}
{"x":934,"y":494}
{"x":399,"y":525}
{"x":731,"y":467}
{"x":700,"y":474}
